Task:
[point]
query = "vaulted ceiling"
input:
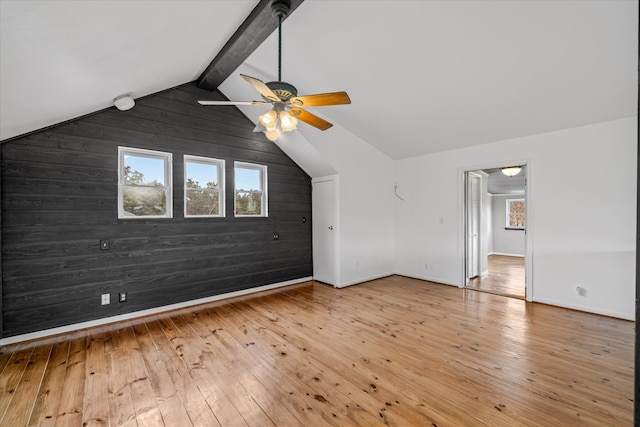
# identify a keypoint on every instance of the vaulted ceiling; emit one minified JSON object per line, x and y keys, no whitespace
{"x":423,"y":76}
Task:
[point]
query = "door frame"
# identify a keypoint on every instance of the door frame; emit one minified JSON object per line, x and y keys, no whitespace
{"x":468,"y":200}
{"x":462,"y":220}
{"x":315,"y":213}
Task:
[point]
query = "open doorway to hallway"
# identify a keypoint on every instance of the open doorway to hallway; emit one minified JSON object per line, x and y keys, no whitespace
{"x":505,"y":276}
{"x":495,"y":231}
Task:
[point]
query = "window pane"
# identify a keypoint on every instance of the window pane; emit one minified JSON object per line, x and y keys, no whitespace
{"x":144,"y":170}
{"x":516,"y":206}
{"x":516,"y":220}
{"x":248,"y":203}
{"x":144,"y":201}
{"x":248,"y":179}
{"x":202,"y":202}
{"x":519,"y":220}
{"x":200,"y":175}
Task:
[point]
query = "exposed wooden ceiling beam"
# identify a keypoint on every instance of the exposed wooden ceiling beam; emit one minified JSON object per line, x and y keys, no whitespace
{"x":254,"y":30}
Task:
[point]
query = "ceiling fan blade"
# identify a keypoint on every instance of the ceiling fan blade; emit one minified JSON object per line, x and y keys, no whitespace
{"x":309,"y":118}
{"x":261,"y":87}
{"x":333,"y":98}
{"x":231,"y":102}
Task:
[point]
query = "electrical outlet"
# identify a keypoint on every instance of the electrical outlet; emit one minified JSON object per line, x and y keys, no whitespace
{"x":104,"y":245}
{"x":276,"y":236}
{"x":122,"y":297}
{"x":105,"y":299}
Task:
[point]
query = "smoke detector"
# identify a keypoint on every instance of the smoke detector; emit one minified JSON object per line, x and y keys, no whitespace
{"x":124,"y":102}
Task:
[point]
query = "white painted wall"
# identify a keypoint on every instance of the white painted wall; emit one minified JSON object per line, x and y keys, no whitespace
{"x":366,"y":199}
{"x":594,"y":249}
{"x":505,"y":242}
{"x":582,"y":213}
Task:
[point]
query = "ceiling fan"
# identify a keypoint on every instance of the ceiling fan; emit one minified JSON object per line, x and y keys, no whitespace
{"x":287,"y":105}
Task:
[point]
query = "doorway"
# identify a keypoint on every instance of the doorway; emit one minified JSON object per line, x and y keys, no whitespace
{"x":495,"y":230}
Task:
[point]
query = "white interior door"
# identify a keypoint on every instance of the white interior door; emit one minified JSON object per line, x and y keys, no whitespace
{"x":473,"y":225}
{"x":325,"y":212}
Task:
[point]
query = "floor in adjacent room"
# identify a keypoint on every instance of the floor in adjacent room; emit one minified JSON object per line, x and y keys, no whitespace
{"x":506,"y":277}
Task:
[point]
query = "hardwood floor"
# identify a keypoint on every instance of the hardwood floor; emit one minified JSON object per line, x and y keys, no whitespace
{"x":506,"y":277}
{"x":394,"y":351}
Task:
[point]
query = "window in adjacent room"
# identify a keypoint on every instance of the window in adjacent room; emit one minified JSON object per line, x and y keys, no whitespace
{"x":250,"y":189}
{"x":515,"y":213}
{"x":203,"y":187}
{"x":144,"y":184}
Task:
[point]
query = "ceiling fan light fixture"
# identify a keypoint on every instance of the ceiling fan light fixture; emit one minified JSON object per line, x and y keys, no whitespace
{"x":272,"y":134}
{"x":287,"y":122}
{"x":511,"y":170}
{"x":283,"y":96}
{"x":269,"y":119}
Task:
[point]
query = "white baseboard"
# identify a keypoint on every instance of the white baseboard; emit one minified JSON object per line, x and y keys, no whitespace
{"x":365,"y":279}
{"x":585,"y":309}
{"x":141,"y":313}
{"x":429,"y":279}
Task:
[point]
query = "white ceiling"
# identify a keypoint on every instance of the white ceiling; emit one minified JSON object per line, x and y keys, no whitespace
{"x":423,"y":76}
{"x":64,"y":59}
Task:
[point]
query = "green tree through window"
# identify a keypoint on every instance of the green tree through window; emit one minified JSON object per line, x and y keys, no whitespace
{"x":140,"y":199}
{"x":144,"y":183}
{"x":250,"y":189}
{"x":203,"y":200}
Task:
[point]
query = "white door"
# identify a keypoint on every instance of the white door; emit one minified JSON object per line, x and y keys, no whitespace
{"x":473,"y":225}
{"x":324,"y":206}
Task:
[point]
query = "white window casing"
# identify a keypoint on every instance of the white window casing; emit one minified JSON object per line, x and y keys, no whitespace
{"x":203,"y":199}
{"x":252,"y":200}
{"x":144,"y":184}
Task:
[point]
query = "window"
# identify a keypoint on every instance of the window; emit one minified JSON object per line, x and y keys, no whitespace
{"x":515,"y":213}
{"x":250,"y":189}
{"x":144,"y":184}
{"x":203,"y":187}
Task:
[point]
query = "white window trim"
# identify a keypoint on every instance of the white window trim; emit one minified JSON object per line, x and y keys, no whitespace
{"x":220,"y":189}
{"x":168,"y":172}
{"x":508,"y":212}
{"x":264,"y":201}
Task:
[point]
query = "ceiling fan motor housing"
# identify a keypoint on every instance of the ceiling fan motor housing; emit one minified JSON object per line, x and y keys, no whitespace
{"x":284,"y":90}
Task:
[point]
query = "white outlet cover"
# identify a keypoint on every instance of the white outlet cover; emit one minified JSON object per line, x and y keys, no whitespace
{"x":106,"y":299}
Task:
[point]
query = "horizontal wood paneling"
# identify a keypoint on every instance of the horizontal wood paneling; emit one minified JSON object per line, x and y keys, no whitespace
{"x":59,"y":199}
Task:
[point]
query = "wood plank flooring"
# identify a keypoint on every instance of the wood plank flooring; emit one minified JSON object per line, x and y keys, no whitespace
{"x":394,"y":351}
{"x":506,"y":277}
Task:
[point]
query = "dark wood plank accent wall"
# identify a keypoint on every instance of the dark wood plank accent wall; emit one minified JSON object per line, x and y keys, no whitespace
{"x":59,"y":199}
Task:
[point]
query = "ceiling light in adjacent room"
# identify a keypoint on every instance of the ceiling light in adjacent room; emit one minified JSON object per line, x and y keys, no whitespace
{"x":124,"y":102}
{"x":511,"y":170}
